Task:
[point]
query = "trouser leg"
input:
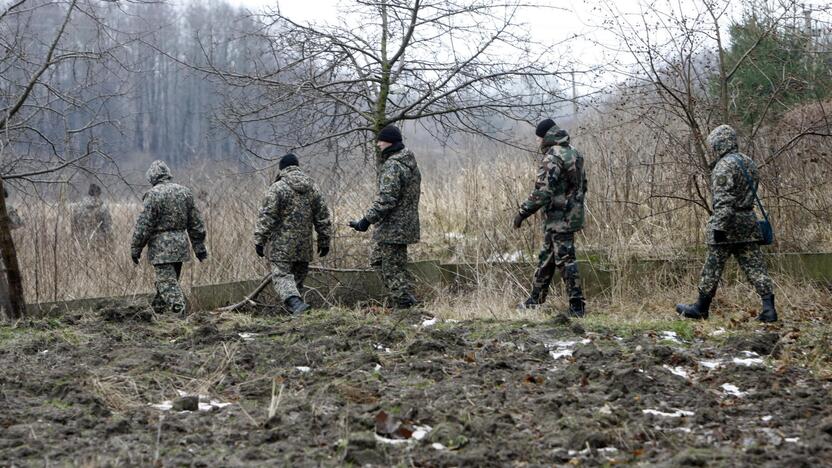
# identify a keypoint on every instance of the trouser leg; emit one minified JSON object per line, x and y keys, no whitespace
{"x":390,"y":260}
{"x":753,"y":265}
{"x":712,"y":269}
{"x":283,"y":280}
{"x":566,"y":262}
{"x":168,"y":291}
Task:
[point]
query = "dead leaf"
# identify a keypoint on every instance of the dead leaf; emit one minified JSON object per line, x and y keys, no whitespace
{"x":470,"y":357}
{"x":390,"y":426}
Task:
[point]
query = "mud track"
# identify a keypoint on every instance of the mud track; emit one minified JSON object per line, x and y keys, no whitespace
{"x":106,"y":388}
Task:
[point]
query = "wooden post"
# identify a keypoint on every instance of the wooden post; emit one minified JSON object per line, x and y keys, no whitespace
{"x":10,"y":278}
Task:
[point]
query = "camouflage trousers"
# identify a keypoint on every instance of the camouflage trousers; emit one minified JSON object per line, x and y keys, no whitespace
{"x":169,"y":295}
{"x":558,"y":254}
{"x":751,"y":262}
{"x":288,"y":278}
{"x":390,"y":261}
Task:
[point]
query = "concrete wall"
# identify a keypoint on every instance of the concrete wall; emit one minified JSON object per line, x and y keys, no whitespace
{"x":350,"y":287}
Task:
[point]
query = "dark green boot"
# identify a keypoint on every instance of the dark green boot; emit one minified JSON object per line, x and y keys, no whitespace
{"x":769,"y":313}
{"x":697,"y":311}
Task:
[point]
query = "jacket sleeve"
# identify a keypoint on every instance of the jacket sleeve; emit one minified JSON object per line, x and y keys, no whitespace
{"x":320,"y":218}
{"x":723,"y":186}
{"x":145,"y":224}
{"x":268,"y":217}
{"x":389,"y":191}
{"x":541,"y":196}
{"x":196,"y":226}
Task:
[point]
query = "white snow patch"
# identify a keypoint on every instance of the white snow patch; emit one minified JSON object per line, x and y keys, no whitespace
{"x":670,"y":336}
{"x":438,"y":446}
{"x":719,"y":331}
{"x":750,"y":354}
{"x":605,"y":409}
{"x":419,"y":433}
{"x":381,"y":347}
{"x":429,"y":322}
{"x":515,"y":256}
{"x":560,"y":353}
{"x":792,"y":440}
{"x":304,"y":369}
{"x":45,"y":351}
{"x":733,"y":390}
{"x":454,"y":235}
{"x":163,"y":406}
{"x":749,"y":362}
{"x":378,"y":368}
{"x":675,"y":414}
{"x":560,"y":349}
{"x":247,"y":336}
{"x":767,"y":418}
{"x":711,"y":364}
{"x":211,"y":405}
{"x":678,"y":370}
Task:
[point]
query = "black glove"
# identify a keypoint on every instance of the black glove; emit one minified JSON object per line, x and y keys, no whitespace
{"x":361,"y":225}
{"x":518,"y":220}
{"x":202,"y":255}
{"x":720,"y":236}
{"x":136,"y":256}
{"x":259,"y":249}
{"x":323,"y":250}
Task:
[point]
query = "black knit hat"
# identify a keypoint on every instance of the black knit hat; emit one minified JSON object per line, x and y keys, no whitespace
{"x":288,"y":160}
{"x":390,"y":134}
{"x":543,"y":127}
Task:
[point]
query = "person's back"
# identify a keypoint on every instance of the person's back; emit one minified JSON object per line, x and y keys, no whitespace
{"x":292,"y":207}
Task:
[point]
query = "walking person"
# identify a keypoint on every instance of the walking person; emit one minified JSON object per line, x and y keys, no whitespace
{"x":559,"y":191}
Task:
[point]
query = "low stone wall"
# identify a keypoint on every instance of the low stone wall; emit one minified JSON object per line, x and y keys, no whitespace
{"x":326,"y":287}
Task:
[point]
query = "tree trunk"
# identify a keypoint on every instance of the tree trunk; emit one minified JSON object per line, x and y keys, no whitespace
{"x":12,"y":302}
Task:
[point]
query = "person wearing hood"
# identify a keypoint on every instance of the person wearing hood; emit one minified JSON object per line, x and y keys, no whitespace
{"x":560,"y":190}
{"x":732,"y":228}
{"x":292,"y":207}
{"x":169,"y":219}
{"x":91,"y":220}
{"x":395,"y":212}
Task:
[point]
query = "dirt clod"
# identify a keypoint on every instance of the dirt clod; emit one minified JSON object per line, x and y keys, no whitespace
{"x":188,"y":403}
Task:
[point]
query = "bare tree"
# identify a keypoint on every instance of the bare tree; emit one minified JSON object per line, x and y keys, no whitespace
{"x":55,"y":55}
{"x":452,"y":65}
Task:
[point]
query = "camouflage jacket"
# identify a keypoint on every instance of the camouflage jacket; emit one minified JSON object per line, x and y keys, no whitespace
{"x":168,"y":220}
{"x":91,"y":219}
{"x":561,"y":185}
{"x":733,"y":200}
{"x":395,"y":211}
{"x":293,"y":205}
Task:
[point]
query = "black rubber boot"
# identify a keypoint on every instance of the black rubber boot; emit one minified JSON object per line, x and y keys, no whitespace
{"x":406,"y":302}
{"x":295,"y":305}
{"x":533,"y":302}
{"x":697,"y":311}
{"x":577,"y":307}
{"x":769,"y":313}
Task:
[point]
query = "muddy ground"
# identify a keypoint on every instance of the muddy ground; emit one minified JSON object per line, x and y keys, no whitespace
{"x":340,"y":387}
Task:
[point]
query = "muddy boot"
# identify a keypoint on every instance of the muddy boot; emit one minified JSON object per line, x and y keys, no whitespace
{"x":769,"y":313}
{"x":577,"y":307}
{"x":697,"y":311}
{"x":406,"y":302}
{"x":533,"y":302}
{"x":295,"y":305}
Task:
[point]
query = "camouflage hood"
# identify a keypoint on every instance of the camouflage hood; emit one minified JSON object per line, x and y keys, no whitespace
{"x":296,"y":179}
{"x":405,"y":157}
{"x":555,"y":136}
{"x":723,"y":140}
{"x":158,"y":172}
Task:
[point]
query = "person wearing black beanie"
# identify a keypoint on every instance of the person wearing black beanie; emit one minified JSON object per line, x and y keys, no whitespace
{"x":559,"y":191}
{"x":543,"y":127}
{"x":292,"y":207}
{"x":288,"y":160}
{"x":395,"y":212}
{"x":390,"y":134}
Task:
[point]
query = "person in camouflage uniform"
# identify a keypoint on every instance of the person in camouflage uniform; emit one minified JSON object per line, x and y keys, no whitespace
{"x":169,"y":219}
{"x":91,"y":221}
{"x":293,"y":205}
{"x":732,"y":229}
{"x":395,"y":212}
{"x":15,"y":221}
{"x":560,"y":190}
